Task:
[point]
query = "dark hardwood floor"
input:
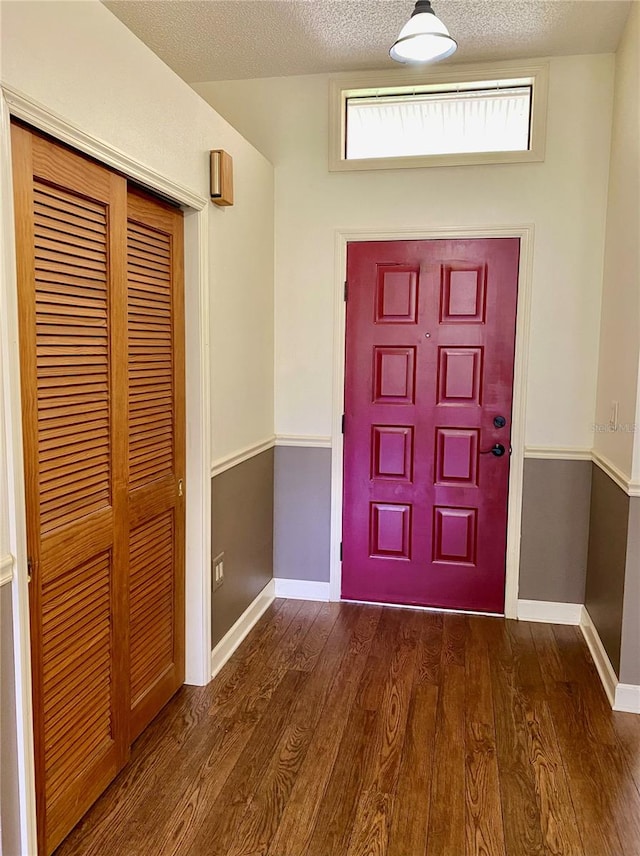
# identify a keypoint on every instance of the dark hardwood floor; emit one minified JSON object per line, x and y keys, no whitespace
{"x":347,"y":730}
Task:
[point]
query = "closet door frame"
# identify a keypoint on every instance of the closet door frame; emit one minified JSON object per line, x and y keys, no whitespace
{"x":197,"y":484}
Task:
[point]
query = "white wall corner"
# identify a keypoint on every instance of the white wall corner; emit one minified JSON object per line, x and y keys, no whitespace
{"x":247,"y":621}
{"x":301,"y":589}
{"x":600,"y":657}
{"x":550,"y":612}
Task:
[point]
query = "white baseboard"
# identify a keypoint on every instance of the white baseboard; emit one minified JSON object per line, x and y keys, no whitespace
{"x":600,"y":657}
{"x":301,"y":589}
{"x":549,"y":612}
{"x":622,"y":697}
{"x":627,"y":698}
{"x":233,"y":637}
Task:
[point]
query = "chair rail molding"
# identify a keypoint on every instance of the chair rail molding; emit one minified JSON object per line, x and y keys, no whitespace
{"x":558,"y":453}
{"x":226,"y":462}
{"x":6,"y":569}
{"x":628,"y":485}
{"x":310,"y":441}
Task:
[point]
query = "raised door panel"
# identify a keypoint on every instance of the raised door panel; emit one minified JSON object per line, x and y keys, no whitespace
{"x":156,"y":455}
{"x":70,"y":253}
{"x":396,"y":300}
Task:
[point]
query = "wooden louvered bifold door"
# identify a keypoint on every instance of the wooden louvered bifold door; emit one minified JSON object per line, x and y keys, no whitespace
{"x":100,"y":296}
{"x":71,"y":245}
{"x":156,"y":455}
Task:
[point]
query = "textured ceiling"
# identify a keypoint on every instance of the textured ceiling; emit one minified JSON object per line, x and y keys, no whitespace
{"x":235,"y":39}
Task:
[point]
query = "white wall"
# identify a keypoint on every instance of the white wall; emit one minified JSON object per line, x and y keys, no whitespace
{"x":77,"y":60}
{"x":83,"y":63}
{"x":565,"y":197}
{"x":620,"y":328}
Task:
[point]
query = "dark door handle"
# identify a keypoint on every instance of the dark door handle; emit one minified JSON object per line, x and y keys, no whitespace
{"x":498,"y":450}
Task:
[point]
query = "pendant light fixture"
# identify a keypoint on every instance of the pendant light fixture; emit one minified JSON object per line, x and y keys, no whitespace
{"x":424,"y":38}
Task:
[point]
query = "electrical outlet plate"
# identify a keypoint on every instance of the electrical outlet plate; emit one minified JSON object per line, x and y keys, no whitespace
{"x":217,"y":574}
{"x":613,"y":416}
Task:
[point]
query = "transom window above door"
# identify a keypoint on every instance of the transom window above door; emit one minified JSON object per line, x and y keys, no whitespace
{"x":449,"y":118}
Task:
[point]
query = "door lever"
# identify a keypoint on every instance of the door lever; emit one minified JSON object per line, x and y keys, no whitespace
{"x":498,"y":450}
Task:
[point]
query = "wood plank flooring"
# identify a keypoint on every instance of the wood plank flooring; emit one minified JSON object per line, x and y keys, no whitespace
{"x":348,"y":730}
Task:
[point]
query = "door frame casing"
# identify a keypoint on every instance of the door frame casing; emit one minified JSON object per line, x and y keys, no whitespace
{"x":198,"y":418}
{"x":525,"y":232}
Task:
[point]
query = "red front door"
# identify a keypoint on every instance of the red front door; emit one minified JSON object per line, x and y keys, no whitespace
{"x":428,"y":388}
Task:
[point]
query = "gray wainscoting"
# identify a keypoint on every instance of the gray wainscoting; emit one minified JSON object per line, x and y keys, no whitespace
{"x":580,"y":539}
{"x":302,"y":513}
{"x":242,"y":528}
{"x":630,"y":646}
{"x":607,"y":561}
{"x":555,"y":530}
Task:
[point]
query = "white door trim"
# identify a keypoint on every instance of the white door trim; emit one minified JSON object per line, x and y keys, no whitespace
{"x":198,"y":526}
{"x":12,"y":416}
{"x":525,"y":276}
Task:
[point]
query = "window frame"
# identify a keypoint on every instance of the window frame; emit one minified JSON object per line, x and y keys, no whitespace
{"x":450,"y":77}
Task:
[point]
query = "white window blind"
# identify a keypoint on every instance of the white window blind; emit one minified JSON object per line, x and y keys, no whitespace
{"x":387,"y":126}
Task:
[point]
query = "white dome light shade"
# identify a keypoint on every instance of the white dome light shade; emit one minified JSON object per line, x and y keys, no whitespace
{"x":424,"y":38}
